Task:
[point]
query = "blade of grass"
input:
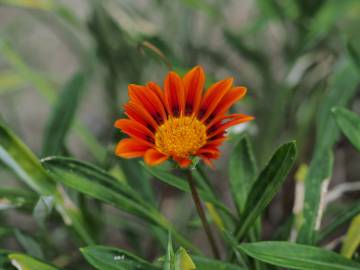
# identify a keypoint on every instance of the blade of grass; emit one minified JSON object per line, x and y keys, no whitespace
{"x":62,"y":115}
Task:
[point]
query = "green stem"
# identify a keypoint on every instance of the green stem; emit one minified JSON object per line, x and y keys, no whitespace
{"x":201,"y":212}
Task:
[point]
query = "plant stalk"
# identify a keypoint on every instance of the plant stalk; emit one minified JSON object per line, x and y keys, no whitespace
{"x":201,"y":213}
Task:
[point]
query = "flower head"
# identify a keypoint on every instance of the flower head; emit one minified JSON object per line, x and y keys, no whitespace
{"x":179,"y":122}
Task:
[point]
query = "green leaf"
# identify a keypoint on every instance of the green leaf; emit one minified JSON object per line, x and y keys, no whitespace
{"x":14,"y":198}
{"x":19,"y":158}
{"x":352,"y":238}
{"x":316,"y":180}
{"x":266,"y":186}
{"x":169,"y":258}
{"x":349,"y":124}
{"x":96,"y":183}
{"x":181,"y":184}
{"x":29,"y":244}
{"x":24,"y":262}
{"x":43,"y":209}
{"x":24,"y":163}
{"x":345,"y":216}
{"x":92,"y":181}
{"x":346,"y":78}
{"x":42,"y":5}
{"x":353,"y":52}
{"x":108,"y":258}
{"x":10,"y":81}
{"x":203,"y":263}
{"x":242,"y":172}
{"x":296,"y":256}
{"x":62,"y":115}
{"x":48,"y":91}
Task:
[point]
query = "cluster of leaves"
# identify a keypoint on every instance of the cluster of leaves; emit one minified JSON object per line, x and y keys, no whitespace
{"x":72,"y":201}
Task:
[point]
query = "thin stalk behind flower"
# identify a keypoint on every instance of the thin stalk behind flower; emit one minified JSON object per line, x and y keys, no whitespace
{"x":201,"y":213}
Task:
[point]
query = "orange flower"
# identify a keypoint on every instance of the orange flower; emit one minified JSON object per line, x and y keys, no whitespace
{"x":179,"y":122}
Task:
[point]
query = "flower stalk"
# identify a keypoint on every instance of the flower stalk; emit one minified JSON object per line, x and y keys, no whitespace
{"x":201,"y":213}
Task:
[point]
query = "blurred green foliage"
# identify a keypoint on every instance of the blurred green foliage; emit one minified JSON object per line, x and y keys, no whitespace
{"x":73,"y":60}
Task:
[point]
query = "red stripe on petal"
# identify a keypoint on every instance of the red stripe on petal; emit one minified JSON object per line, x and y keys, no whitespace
{"x":137,"y":113}
{"x":212,"y":98}
{"x":174,"y":94}
{"x":149,"y":100}
{"x":226,"y":102}
{"x":135,"y":130}
{"x":194,"y":82}
{"x":230,"y":120}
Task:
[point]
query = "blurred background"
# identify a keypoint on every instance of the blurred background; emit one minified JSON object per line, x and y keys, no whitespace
{"x":298,"y":58}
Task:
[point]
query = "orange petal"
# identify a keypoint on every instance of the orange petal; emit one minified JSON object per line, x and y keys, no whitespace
{"x":136,"y":130}
{"x":226,"y":102}
{"x":194,"y":82}
{"x":213,"y":96}
{"x":154,"y":157}
{"x":130,"y":148}
{"x":149,"y":100}
{"x":174,"y":94}
{"x":233,"y":119}
{"x":183,"y":162}
{"x":137,"y":113}
{"x":157,"y":89}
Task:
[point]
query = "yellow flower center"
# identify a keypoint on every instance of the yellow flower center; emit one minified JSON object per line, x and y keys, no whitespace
{"x":180,"y":137}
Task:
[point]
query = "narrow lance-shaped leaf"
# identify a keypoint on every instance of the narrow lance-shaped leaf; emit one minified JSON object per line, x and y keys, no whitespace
{"x":346,"y":78}
{"x":242,"y":172}
{"x":62,"y":115}
{"x":296,"y":256}
{"x":24,"y":163}
{"x":25,"y":262}
{"x":19,"y":158}
{"x":108,"y":258}
{"x":96,"y":183}
{"x":316,"y":182}
{"x":31,"y":246}
{"x":349,"y":124}
{"x":266,"y":186}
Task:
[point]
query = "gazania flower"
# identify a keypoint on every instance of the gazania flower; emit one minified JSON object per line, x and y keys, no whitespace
{"x":180,"y":121}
